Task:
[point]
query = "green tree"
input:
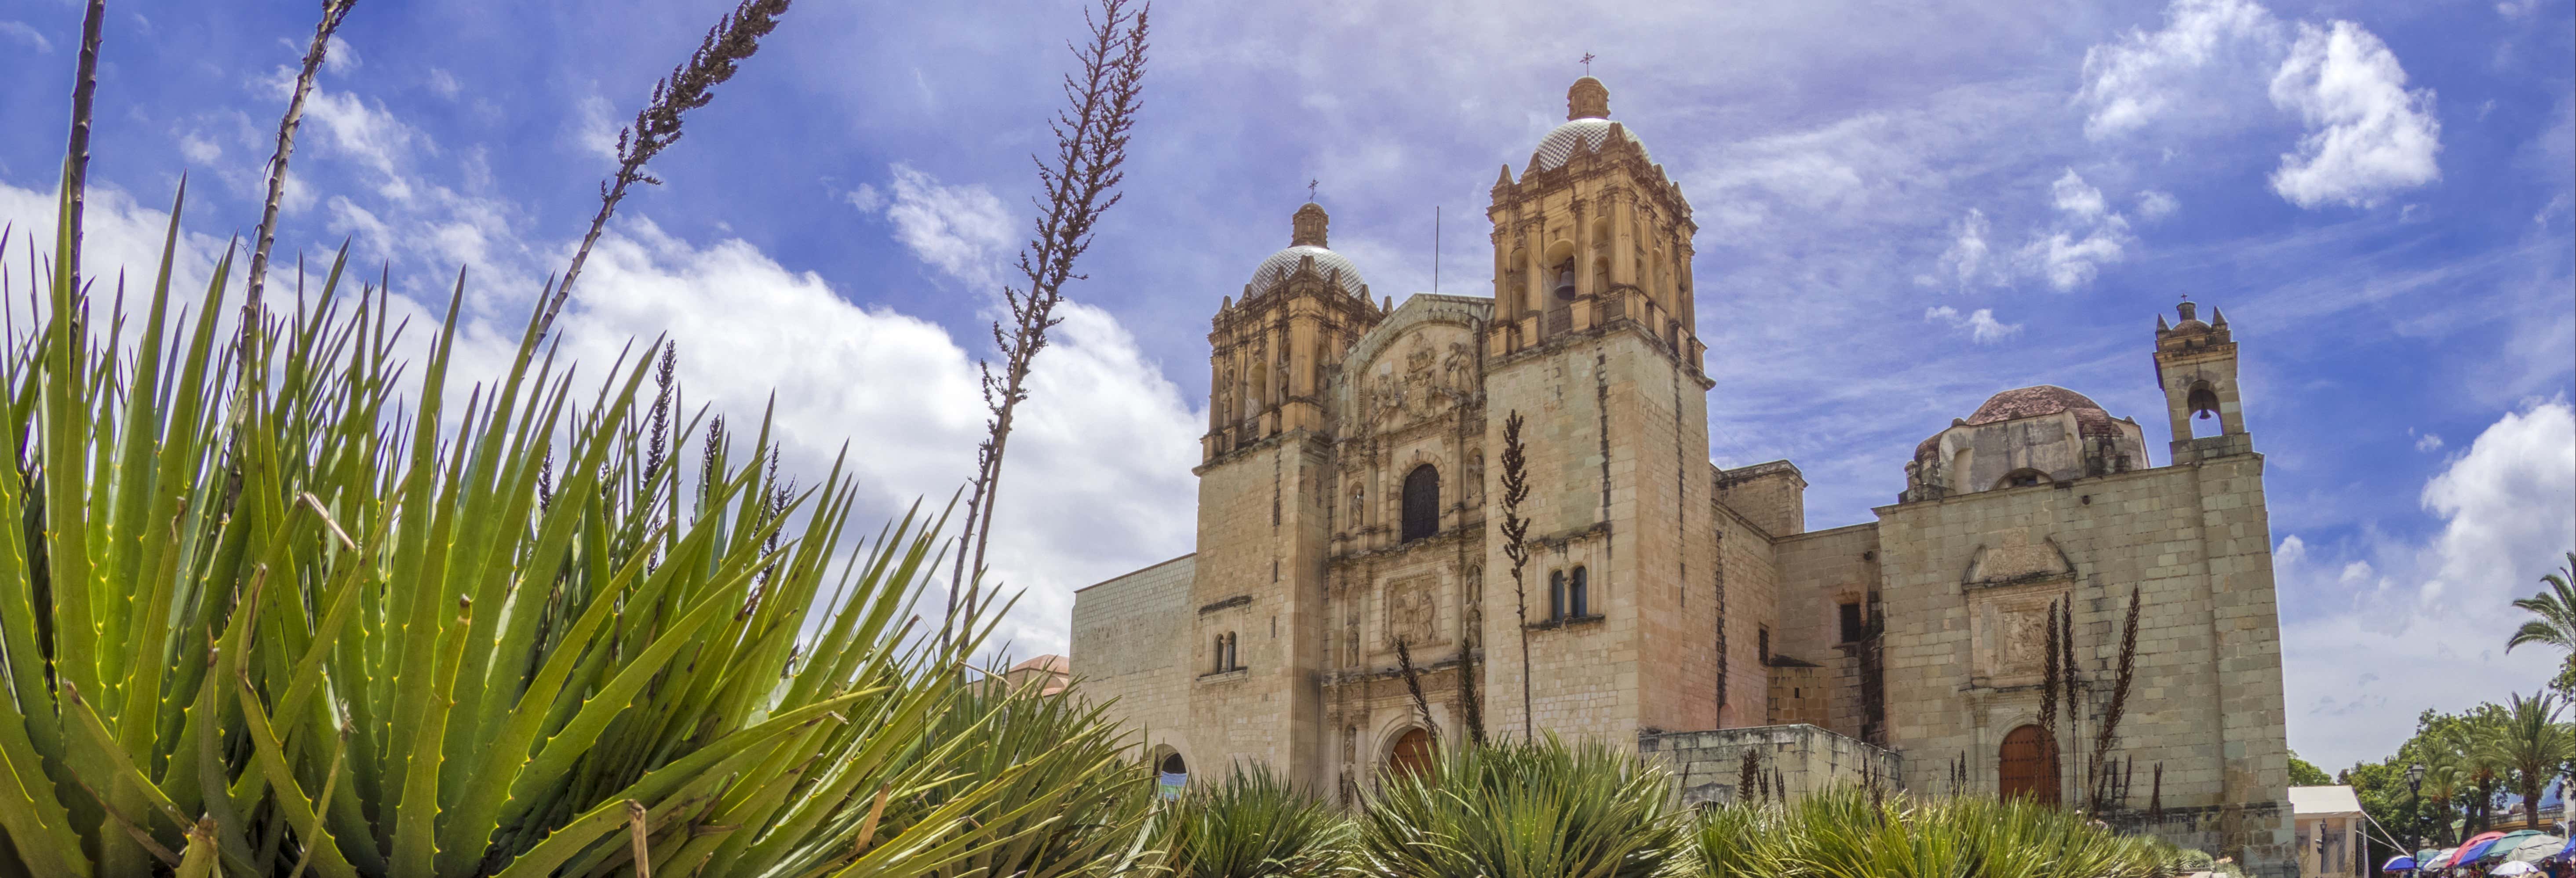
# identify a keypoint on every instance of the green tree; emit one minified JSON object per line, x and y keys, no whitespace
{"x":2306,"y":774}
{"x":2529,"y":743}
{"x":2554,"y":621}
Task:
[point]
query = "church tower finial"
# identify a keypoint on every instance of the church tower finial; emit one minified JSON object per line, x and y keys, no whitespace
{"x":1588,"y":99}
{"x":1307,"y":229}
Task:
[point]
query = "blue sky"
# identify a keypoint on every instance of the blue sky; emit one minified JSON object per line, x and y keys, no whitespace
{"x":1903,"y":208}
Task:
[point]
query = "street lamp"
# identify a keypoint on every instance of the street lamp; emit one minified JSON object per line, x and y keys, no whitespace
{"x":2415,"y":789}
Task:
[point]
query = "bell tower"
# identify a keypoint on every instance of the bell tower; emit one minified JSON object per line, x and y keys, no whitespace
{"x":1593,"y":233}
{"x":1593,"y":342}
{"x":1256,"y":636}
{"x":2196,"y":365}
{"x":1271,"y":353}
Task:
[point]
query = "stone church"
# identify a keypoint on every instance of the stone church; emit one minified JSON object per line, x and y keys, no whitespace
{"x":1349,"y":549}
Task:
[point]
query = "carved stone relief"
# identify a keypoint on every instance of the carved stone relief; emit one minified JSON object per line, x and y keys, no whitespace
{"x":2009,"y":633}
{"x":1412,"y":611}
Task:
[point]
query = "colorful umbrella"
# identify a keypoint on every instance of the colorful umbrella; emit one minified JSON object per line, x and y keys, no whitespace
{"x":2538,"y":847}
{"x":2474,"y":848}
{"x":2399,"y":863}
{"x":2441,"y":859}
{"x":2513,"y":868}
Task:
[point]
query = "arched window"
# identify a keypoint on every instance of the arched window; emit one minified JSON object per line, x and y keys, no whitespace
{"x":2021,"y":478}
{"x":1565,"y":281}
{"x":1556,"y":595}
{"x":1226,"y":657}
{"x":1411,"y":755}
{"x":2027,"y":767}
{"x":1578,"y":595}
{"x":1421,"y":503}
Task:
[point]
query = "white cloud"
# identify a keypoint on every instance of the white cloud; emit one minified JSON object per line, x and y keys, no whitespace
{"x":2077,"y":198}
{"x":2068,"y":261}
{"x":26,"y":33}
{"x":1981,"y":325}
{"x":2516,"y":8}
{"x":2509,"y":502}
{"x":596,"y":128}
{"x":443,"y":83}
{"x":199,"y":150}
{"x":340,"y":57}
{"x":1966,"y":256}
{"x":1099,"y":469}
{"x":2154,"y":205}
{"x":1098,"y":480}
{"x":961,"y":230}
{"x":2393,"y":626}
{"x":867,"y":198}
{"x":2429,"y":442}
{"x":2073,"y":254}
{"x":2145,"y":76}
{"x":2367,"y":134}
{"x":352,"y":127}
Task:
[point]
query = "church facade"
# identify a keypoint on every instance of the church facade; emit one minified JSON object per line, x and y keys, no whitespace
{"x":1352,"y":601}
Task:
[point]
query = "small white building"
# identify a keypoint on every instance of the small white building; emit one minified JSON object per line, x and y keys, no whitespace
{"x":2329,"y":832}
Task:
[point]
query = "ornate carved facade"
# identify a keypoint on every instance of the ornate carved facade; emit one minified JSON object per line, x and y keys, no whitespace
{"x":1347,"y":545}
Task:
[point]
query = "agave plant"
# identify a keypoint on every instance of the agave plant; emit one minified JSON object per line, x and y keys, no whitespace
{"x":1507,"y":810}
{"x":1850,"y":833}
{"x":258,"y":619}
{"x":1253,"y":824}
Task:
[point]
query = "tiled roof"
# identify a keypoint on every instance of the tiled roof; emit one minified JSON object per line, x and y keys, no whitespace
{"x":1284,"y":263}
{"x":1558,"y":146}
{"x":2045,"y":399}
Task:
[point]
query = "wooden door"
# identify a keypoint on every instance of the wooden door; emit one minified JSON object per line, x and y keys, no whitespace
{"x":1412,"y":753}
{"x":2028,"y":766}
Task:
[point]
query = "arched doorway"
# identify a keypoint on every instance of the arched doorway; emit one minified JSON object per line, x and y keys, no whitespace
{"x":1411,"y":754}
{"x":1171,"y":774}
{"x":2028,"y":766}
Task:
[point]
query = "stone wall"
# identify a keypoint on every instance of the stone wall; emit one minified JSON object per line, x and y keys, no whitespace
{"x":1969,"y":579}
{"x":1130,"y":644}
{"x":1708,"y":766}
{"x":1819,"y":572}
{"x":1773,"y":496}
{"x":1260,"y":571}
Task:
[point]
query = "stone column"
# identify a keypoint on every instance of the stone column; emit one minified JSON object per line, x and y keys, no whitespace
{"x":1686,"y":290}
{"x":1583,"y":251}
{"x":1623,"y":237}
{"x":1534,"y":236}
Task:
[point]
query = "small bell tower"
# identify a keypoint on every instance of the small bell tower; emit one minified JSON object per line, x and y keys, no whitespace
{"x":2196,"y":365}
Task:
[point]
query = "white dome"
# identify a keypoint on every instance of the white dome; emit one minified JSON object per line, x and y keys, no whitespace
{"x":1558,"y":146}
{"x":1284,"y":263}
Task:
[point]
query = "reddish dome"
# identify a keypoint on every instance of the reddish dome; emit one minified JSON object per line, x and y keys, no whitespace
{"x":2031,"y":402}
{"x":2046,"y":399}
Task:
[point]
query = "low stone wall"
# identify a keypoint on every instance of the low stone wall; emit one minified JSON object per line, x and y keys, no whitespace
{"x":2253,"y":834}
{"x":1795,"y":759}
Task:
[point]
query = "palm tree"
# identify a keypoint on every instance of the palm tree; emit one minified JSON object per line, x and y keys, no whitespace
{"x":2481,"y":772}
{"x":2443,"y":781}
{"x":2555,"y":610}
{"x":2530,"y":744}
